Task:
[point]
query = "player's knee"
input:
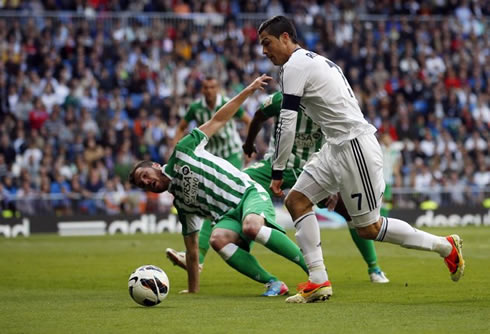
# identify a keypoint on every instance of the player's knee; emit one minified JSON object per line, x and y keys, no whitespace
{"x":252,"y":224}
{"x":297,"y":204}
{"x":369,"y":232}
{"x":218,"y":240}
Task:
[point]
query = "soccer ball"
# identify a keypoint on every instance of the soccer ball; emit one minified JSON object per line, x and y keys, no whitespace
{"x":148,"y":285}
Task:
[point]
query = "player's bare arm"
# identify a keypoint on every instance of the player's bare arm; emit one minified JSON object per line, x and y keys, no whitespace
{"x":192,"y":258}
{"x":246,"y":120}
{"x":181,"y":130}
{"x":225,"y":113}
{"x":254,"y":129}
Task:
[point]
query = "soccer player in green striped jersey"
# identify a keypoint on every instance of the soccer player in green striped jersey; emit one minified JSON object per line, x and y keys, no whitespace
{"x":309,"y":139}
{"x":205,"y":185}
{"x":226,"y":143}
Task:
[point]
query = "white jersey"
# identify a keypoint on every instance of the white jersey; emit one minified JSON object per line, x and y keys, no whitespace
{"x":319,"y":86}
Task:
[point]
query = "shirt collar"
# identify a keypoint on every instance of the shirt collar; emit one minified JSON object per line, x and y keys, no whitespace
{"x":165,"y":173}
{"x":219,"y":100}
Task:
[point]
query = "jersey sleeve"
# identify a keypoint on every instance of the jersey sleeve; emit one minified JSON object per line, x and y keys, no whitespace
{"x":285,"y":135}
{"x":188,"y":143}
{"x":191,"y":113}
{"x":272,"y":105}
{"x":192,"y":140}
{"x":294,"y":79}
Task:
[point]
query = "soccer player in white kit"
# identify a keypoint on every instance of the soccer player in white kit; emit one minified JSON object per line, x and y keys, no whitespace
{"x":350,"y":162}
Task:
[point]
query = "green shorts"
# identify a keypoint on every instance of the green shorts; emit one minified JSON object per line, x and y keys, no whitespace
{"x":261,"y":172}
{"x":253,"y":202}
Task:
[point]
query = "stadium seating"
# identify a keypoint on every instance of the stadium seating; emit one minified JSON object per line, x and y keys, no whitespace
{"x":85,"y":94}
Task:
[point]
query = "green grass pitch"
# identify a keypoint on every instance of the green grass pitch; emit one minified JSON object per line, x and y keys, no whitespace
{"x":54,"y":284}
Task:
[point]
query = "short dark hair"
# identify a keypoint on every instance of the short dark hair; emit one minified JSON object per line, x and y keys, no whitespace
{"x":277,"y":25}
{"x":132,"y":174}
{"x":210,"y":77}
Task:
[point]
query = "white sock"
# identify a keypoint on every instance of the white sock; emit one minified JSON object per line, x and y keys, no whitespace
{"x":264,"y":235}
{"x":227,"y":251}
{"x":308,"y":238}
{"x":398,"y":232}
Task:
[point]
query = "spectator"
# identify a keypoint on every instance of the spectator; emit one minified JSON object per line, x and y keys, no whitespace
{"x":6,"y":149}
{"x":32,"y":156}
{"x":23,"y":106}
{"x":38,"y":115}
{"x":92,"y":151}
{"x":113,"y":197}
{"x":3,"y":167}
{"x":91,"y":190}
{"x":26,"y":199}
{"x":482,"y":176}
{"x":45,"y":201}
{"x":49,"y":98}
{"x":475,"y":143}
{"x":60,"y":188}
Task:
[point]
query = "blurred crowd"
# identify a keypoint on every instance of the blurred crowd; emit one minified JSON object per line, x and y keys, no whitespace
{"x":82,"y":100}
{"x":270,"y":7}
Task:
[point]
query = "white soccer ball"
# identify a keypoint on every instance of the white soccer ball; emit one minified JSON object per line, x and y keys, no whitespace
{"x":148,"y":285}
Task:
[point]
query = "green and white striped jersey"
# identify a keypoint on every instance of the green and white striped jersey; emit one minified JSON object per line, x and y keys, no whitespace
{"x":226,"y":141}
{"x":203,"y":184}
{"x":308,"y":138}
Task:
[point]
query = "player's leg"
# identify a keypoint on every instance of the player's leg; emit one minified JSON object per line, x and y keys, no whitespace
{"x":387,"y":204}
{"x":260,"y":172}
{"x":306,"y":192}
{"x":365,"y":247}
{"x":307,"y":234}
{"x":259,"y":224}
{"x":368,"y":251}
{"x":225,"y":238}
{"x":204,"y":235}
{"x":362,"y":194}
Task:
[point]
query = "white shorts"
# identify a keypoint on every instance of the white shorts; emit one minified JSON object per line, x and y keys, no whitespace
{"x":354,"y":169}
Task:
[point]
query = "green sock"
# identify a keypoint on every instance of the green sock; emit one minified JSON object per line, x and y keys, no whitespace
{"x":204,"y":235}
{"x":279,"y":243}
{"x":366,"y":247}
{"x":247,"y":264}
{"x":384,"y":211}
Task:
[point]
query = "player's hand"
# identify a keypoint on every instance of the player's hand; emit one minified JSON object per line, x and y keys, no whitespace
{"x":260,"y":82}
{"x":276,"y":188}
{"x":248,"y":159}
{"x":331,"y":202}
{"x":249,"y":150}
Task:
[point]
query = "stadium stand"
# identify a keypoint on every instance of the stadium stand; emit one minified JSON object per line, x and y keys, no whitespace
{"x":89,"y":87}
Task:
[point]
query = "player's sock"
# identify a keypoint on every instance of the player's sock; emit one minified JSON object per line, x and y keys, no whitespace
{"x":280,"y":244}
{"x":366,"y":248}
{"x":308,"y":237}
{"x":245,"y":263}
{"x":398,"y":232}
{"x":204,"y":235}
